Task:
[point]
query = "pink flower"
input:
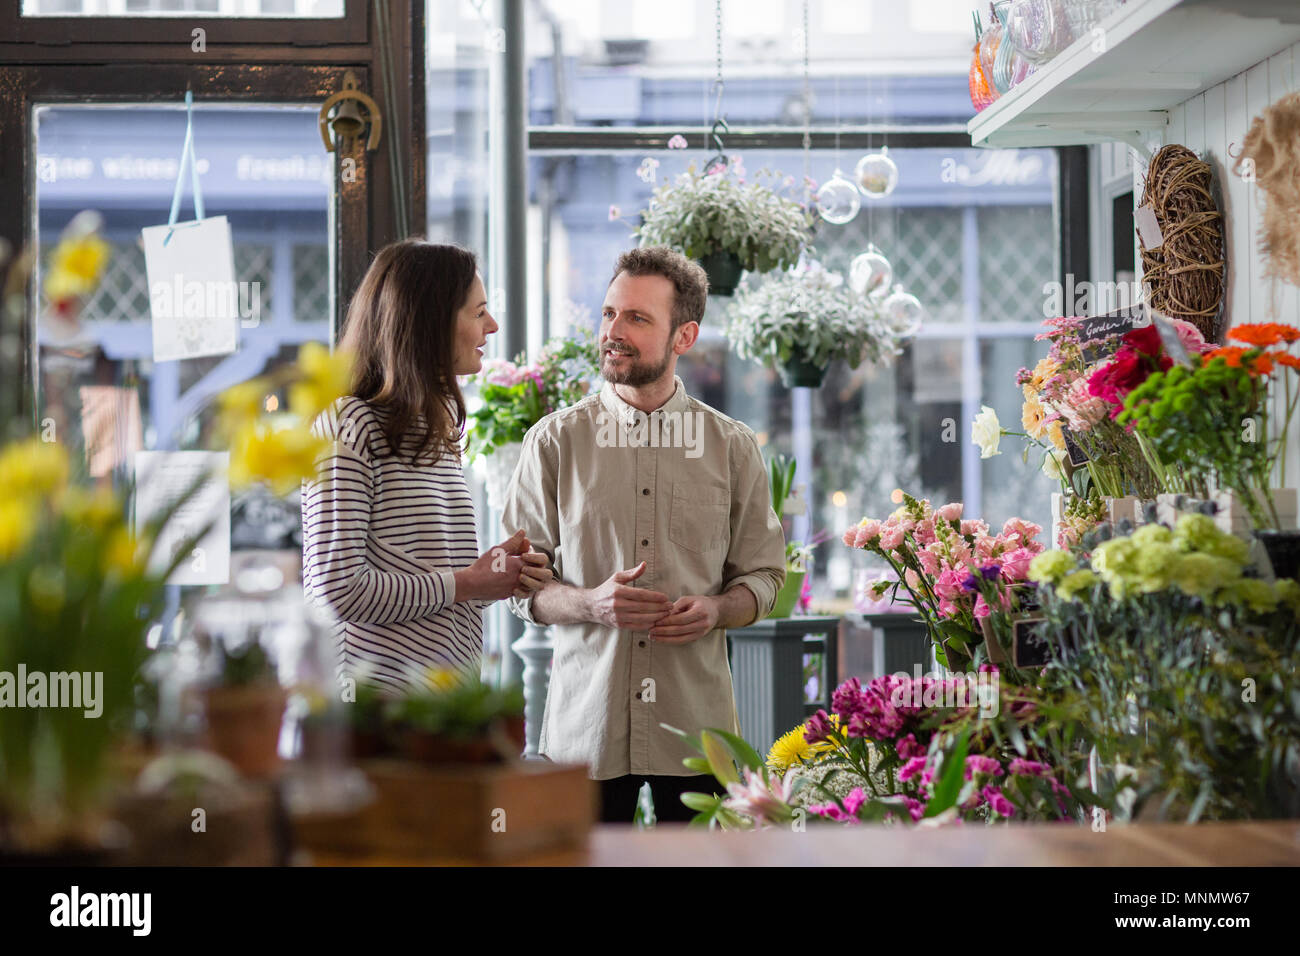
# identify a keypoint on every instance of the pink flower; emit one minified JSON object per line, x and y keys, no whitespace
{"x":950,"y":511}
{"x":924,"y":533}
{"x":1190,"y":338}
{"x":929,"y":562}
{"x":913,"y":579}
{"x":832,"y":811}
{"x":910,"y":769}
{"x":948,"y":585}
{"x":614,"y":213}
{"x":866,"y":534}
{"x":915,"y":808}
{"x":1015,"y":565}
{"x":1028,"y":768}
{"x":755,"y":798}
{"x":974,"y":526}
{"x":677,"y":142}
{"x":982,"y":609}
{"x":854,"y":800}
{"x":907,"y":747}
{"x":1000,"y":804}
{"x":818,"y":728}
{"x":890,"y":538}
{"x":1020,"y":530}
{"x":979,"y":764}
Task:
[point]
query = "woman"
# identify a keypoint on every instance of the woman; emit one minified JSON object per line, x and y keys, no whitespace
{"x":389,"y":541}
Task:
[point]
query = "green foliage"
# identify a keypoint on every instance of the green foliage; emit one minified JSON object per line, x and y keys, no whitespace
{"x":515,"y":396}
{"x":464,"y":711}
{"x":701,"y":214}
{"x":808,"y":313}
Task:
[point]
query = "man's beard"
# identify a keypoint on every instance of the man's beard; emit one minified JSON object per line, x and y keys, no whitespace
{"x":635,"y":374}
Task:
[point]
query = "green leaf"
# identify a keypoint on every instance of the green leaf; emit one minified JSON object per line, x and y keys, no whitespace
{"x":718,"y":757}
{"x":950,"y":781}
{"x":703,"y":802}
{"x":698,"y":764}
{"x":745,"y":755}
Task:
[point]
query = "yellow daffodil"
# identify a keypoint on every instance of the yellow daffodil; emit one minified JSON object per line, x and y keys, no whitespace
{"x":325,"y":377}
{"x":441,"y":678}
{"x":93,"y":509}
{"x":242,"y":403}
{"x":282,"y":457}
{"x":123,"y":553}
{"x":17,"y":522}
{"x":75,"y":267}
{"x":33,"y":469}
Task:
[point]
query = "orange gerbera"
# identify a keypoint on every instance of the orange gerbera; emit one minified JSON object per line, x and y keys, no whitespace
{"x":1290,"y":361}
{"x":1262,"y":364}
{"x":1229,"y":353}
{"x":1264,"y":334}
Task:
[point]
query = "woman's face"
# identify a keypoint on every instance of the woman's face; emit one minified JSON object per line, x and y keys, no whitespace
{"x":473,"y":325}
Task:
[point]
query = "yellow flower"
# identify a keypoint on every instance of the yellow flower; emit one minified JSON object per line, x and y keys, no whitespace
{"x":1031,"y":416}
{"x":282,"y":457}
{"x":33,"y":469}
{"x":325,"y":377}
{"x":123,"y":553}
{"x":95,"y":509}
{"x":75,"y":267}
{"x":242,"y":403}
{"x":1055,"y":435}
{"x":17,"y":522}
{"x":790,"y":749}
{"x":441,"y":678}
{"x":1044,"y":370}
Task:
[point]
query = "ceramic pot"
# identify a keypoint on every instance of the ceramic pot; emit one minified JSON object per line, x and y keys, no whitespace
{"x":244,"y":726}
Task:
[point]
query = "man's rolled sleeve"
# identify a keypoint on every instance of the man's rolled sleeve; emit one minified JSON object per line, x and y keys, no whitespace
{"x":756,"y":557}
{"x":531,"y":505}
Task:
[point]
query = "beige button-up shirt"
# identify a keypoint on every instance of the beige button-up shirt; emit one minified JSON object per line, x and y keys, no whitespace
{"x":601,"y":487}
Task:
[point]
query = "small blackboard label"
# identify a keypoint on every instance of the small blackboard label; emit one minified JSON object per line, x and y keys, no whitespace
{"x":1029,"y":648}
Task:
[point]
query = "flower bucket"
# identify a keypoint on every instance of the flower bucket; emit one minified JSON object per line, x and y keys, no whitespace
{"x":724,"y":271}
{"x":788,"y":596}
{"x":500,"y":469}
{"x":799,"y":373}
{"x":1283,"y":549}
{"x":1117,"y":509}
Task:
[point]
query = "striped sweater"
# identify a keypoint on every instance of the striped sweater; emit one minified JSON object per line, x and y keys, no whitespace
{"x":381,"y":540}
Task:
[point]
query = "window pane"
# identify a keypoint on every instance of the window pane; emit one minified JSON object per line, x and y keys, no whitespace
{"x":299,"y":9}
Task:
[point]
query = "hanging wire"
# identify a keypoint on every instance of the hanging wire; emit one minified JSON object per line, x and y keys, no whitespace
{"x":807,"y":117}
{"x":719,"y":161}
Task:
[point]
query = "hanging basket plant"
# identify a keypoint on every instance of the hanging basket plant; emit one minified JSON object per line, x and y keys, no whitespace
{"x":727,"y":224}
{"x":800,"y":320}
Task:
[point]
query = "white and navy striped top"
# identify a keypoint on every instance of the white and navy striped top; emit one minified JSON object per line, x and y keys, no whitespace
{"x":381,"y":540}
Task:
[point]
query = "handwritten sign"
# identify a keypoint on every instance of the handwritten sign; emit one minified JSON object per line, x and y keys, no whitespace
{"x":162,"y":478}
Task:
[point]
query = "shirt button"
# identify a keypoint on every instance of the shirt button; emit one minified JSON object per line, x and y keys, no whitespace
{"x":645,"y":491}
{"x":641,"y":643}
{"x":645,"y":542}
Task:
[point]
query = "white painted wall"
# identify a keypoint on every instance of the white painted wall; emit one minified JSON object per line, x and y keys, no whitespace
{"x":1214,"y":124}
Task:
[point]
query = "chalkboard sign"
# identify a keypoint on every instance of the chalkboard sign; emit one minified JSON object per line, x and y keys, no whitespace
{"x":1111,"y":324}
{"x":1029,"y":647}
{"x":1078,"y":457}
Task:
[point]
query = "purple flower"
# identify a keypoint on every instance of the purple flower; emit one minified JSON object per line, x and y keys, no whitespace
{"x":818,"y":728}
{"x":991,"y":571}
{"x":977,"y":764}
{"x":915,"y":807}
{"x":970,"y":583}
{"x":1000,"y":804}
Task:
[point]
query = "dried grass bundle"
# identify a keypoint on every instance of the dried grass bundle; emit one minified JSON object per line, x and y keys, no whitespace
{"x":1184,"y":276}
{"x":1271,"y":154}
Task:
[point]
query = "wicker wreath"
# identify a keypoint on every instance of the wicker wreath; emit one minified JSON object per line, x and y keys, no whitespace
{"x":1184,"y":276}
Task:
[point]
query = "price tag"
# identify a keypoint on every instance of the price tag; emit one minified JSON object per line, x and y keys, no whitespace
{"x":1147,"y":227}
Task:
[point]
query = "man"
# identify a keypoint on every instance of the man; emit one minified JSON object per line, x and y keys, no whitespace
{"x":656,"y":514}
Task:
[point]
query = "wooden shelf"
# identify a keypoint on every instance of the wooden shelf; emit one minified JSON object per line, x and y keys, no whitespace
{"x":1119,"y":82}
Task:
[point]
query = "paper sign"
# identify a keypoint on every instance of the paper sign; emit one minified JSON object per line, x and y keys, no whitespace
{"x":1144,"y":217}
{"x":162,"y":477}
{"x":193,"y":296}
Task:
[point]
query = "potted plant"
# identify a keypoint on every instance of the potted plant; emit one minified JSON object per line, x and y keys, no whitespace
{"x":456,"y":721}
{"x":245,"y":708}
{"x":514,"y":396}
{"x":799,"y":320}
{"x":727,"y":225}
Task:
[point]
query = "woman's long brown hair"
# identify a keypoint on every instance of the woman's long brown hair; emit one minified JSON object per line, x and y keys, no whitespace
{"x":400,"y":328}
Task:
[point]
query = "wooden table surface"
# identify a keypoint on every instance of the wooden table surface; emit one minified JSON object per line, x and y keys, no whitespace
{"x":1271,"y":843}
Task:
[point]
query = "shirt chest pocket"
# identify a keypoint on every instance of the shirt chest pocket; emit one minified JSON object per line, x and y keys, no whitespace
{"x":700,"y":515}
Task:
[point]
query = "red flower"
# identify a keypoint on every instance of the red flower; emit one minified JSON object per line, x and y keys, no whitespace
{"x":1141,"y":354}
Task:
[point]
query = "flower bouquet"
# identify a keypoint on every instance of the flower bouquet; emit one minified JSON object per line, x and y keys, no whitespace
{"x":726,"y":224}
{"x":800,"y":320}
{"x":1213,"y":417}
{"x":946,"y":564}
{"x":1162,"y":637}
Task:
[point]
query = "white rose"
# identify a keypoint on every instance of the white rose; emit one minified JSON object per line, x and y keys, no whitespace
{"x":986,"y":431}
{"x":1054,"y":464}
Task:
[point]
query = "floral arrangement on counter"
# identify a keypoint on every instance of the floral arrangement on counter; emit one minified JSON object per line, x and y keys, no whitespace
{"x":516,"y":395}
{"x":1212,"y":416}
{"x":703,"y":214}
{"x":943,"y":563}
{"x":809,"y":313}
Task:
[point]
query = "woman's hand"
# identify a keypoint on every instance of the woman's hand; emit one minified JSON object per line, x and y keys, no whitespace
{"x":535,"y":574}
{"x":495,"y":575}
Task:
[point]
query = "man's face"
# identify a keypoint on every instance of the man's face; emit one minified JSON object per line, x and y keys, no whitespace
{"x":637,"y":343}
